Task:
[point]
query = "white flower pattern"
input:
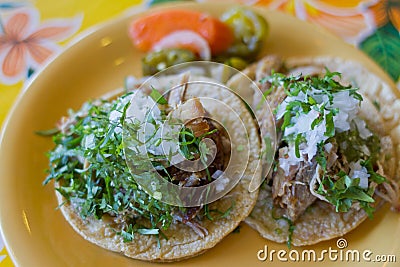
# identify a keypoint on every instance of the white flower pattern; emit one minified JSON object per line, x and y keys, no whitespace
{"x":26,"y":42}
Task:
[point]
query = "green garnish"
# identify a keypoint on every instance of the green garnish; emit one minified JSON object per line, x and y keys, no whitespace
{"x":377,"y":105}
{"x":192,"y":148}
{"x":330,"y":126}
{"x":49,"y":132}
{"x":240,"y":148}
{"x":353,"y":146}
{"x":298,"y":89}
{"x":89,"y":164}
{"x":375,"y":177}
{"x":291,"y":227}
{"x":320,"y":158}
{"x":341,"y":190}
{"x":344,"y":191}
{"x":158,"y":97}
{"x":215,"y":214}
{"x":310,"y":118}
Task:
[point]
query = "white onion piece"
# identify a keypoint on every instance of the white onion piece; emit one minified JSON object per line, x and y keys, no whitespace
{"x":185,"y":38}
{"x":358,"y":171}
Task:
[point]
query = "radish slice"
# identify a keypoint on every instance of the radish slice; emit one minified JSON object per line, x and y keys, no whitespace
{"x":185,"y":39}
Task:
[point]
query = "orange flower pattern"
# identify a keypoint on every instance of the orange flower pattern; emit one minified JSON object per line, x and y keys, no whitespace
{"x":384,"y":11}
{"x":25,"y":44}
{"x":347,"y":19}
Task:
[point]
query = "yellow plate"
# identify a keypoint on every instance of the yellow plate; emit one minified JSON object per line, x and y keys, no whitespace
{"x":36,"y":234}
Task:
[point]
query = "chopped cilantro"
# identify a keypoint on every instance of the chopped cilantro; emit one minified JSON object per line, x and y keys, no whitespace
{"x":303,"y":93}
{"x":377,"y":105}
{"x":330,"y":126}
{"x":309,"y":120}
{"x":89,"y":164}
{"x":291,"y":227}
{"x":192,"y":147}
{"x":158,"y":97}
{"x":343,"y":192}
{"x":353,"y":146}
{"x":215,"y":214}
{"x":49,"y":132}
{"x":376,"y":177}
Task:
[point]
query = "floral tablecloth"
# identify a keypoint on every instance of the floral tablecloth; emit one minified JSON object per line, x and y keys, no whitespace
{"x":33,"y":31}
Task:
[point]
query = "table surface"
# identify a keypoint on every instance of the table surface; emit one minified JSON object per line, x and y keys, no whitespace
{"x":370,"y":25}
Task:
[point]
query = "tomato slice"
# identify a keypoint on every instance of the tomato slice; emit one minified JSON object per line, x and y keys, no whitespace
{"x":146,"y":31}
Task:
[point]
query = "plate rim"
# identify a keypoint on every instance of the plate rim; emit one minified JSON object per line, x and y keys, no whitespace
{"x":140,"y":9}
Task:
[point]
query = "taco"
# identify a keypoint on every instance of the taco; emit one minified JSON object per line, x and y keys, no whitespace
{"x":105,"y":205}
{"x":337,"y":151}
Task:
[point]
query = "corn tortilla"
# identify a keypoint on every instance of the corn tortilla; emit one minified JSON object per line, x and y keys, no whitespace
{"x":320,"y":221}
{"x":182,"y":241}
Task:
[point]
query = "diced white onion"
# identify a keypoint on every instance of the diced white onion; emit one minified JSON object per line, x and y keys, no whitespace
{"x":289,"y":159}
{"x":302,"y":123}
{"x":358,"y":171}
{"x":221,"y":183}
{"x":345,"y":119}
{"x":348,"y":110}
{"x":362,"y":128}
{"x":328,"y":147}
{"x":217,"y":174}
{"x":142,"y":107}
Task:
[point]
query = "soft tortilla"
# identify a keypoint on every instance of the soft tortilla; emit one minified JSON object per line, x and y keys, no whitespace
{"x":320,"y":221}
{"x":182,"y":241}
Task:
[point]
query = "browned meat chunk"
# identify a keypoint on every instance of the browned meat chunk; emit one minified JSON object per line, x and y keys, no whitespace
{"x":292,"y":192}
